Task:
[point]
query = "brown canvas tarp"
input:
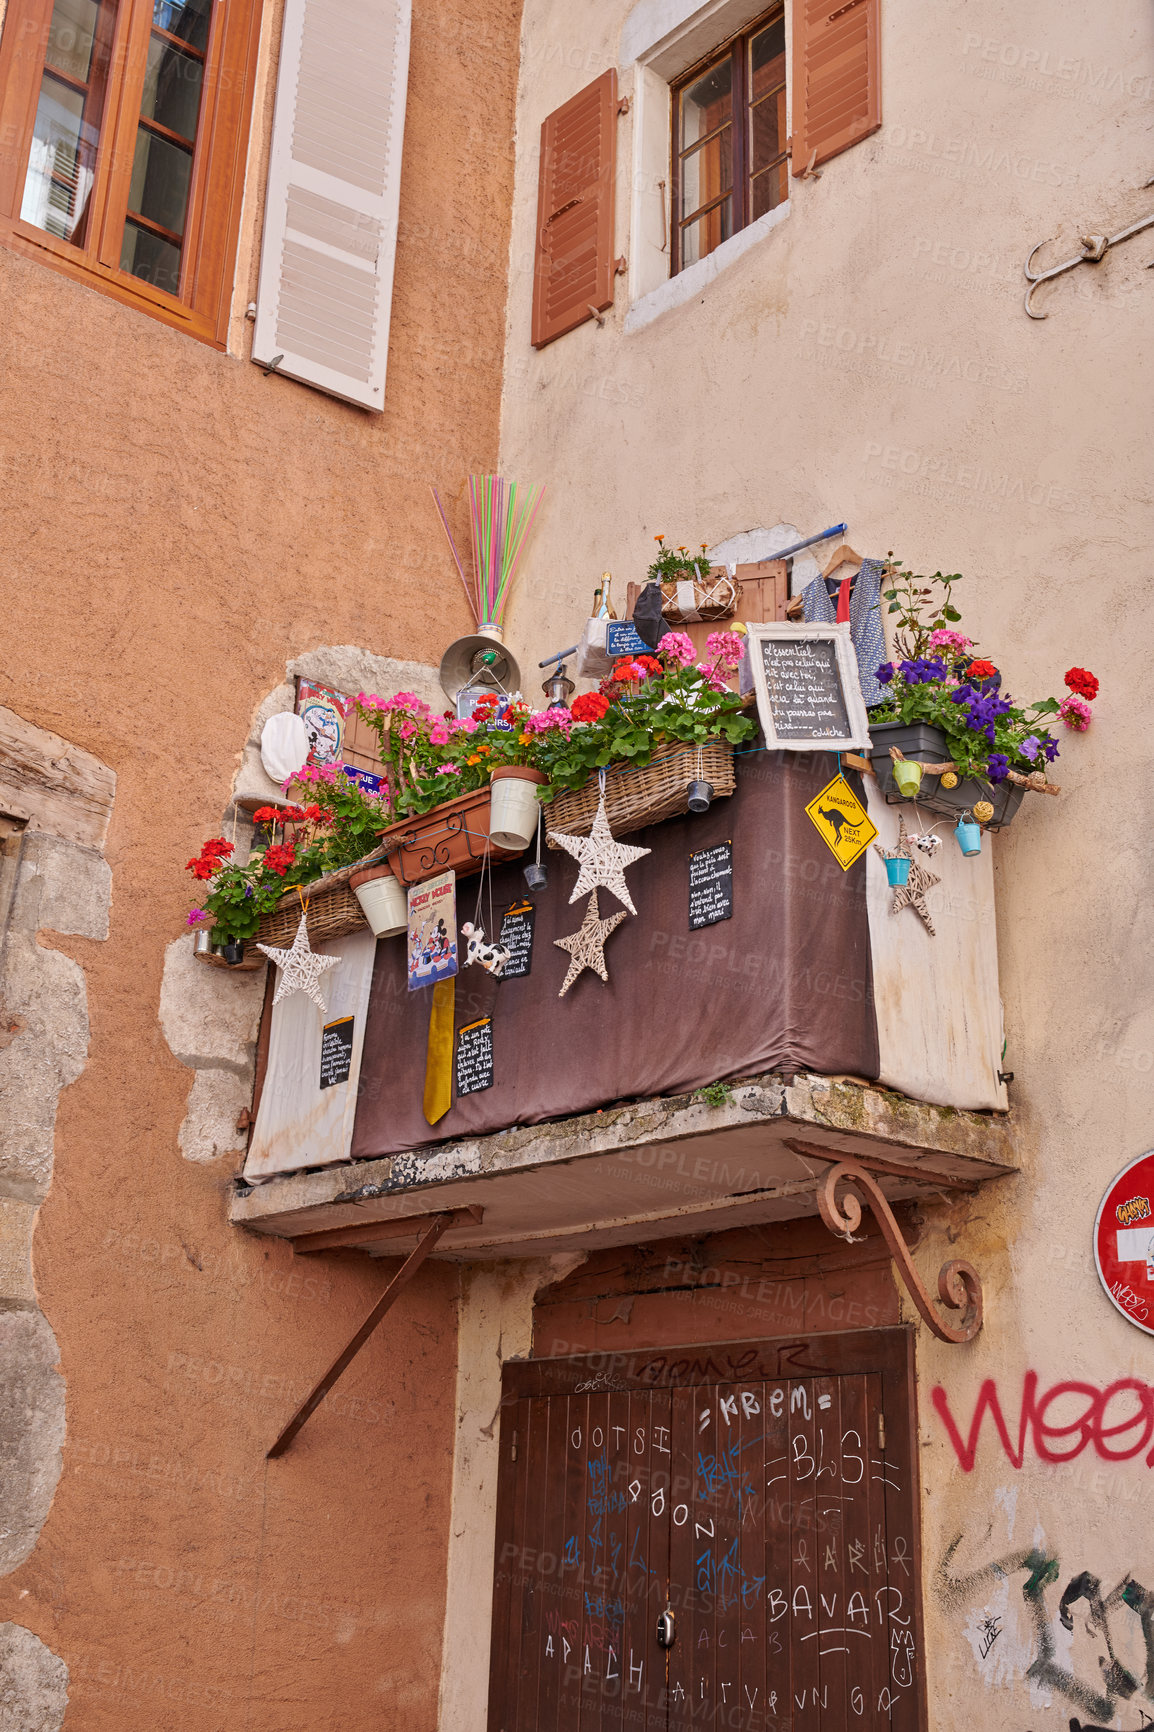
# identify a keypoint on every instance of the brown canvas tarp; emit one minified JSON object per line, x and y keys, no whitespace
{"x":785,"y":983}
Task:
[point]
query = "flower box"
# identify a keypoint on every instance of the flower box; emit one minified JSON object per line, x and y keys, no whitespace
{"x":927,"y":744}
{"x":637,"y":797}
{"x":455,"y":834}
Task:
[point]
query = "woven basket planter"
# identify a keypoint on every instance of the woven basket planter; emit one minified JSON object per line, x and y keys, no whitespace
{"x":333,"y":911}
{"x":634,"y":798}
{"x":686,"y":602}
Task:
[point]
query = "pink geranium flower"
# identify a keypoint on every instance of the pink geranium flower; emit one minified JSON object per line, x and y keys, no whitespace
{"x":1075,"y":712}
{"x":678,"y":647}
{"x":726,"y":647}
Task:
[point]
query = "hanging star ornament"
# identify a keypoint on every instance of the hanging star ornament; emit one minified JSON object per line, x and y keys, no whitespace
{"x":601,"y":859}
{"x":586,"y":946}
{"x":911,"y":894}
{"x":300,"y":967}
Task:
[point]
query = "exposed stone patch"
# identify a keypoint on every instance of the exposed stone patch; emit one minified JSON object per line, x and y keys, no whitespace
{"x":31,"y":1430}
{"x":33,"y":1683}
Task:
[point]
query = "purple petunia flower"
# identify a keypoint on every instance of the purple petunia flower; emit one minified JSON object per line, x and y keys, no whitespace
{"x":999,"y":767}
{"x":922,"y":671}
{"x":1031,"y":747}
{"x":1051,"y":750}
{"x":885,"y":673}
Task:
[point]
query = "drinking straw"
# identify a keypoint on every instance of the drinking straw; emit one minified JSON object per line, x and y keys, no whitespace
{"x":501,"y":514}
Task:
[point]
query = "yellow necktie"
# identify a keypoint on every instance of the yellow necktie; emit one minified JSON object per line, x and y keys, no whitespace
{"x":439,"y":1063}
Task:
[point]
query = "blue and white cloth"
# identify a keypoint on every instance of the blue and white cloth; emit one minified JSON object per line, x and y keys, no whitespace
{"x":865,"y":623}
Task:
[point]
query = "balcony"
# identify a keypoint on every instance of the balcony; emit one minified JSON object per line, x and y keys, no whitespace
{"x":713,"y":1080}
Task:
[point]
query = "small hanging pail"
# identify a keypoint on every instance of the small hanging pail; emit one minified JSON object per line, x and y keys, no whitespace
{"x":908,"y":777}
{"x":898,"y":871}
{"x":969,"y":838}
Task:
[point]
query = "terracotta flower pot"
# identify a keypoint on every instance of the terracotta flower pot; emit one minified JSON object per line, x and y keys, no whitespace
{"x":455,"y":834}
{"x":515,"y":806}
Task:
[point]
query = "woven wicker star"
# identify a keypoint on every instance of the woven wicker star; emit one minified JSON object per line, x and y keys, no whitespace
{"x":586,"y":946}
{"x":601,"y":859}
{"x":300,"y":967}
{"x":911,"y":894}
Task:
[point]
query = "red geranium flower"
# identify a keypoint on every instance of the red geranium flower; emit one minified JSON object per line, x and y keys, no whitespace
{"x":650,"y":664}
{"x":981,"y":671}
{"x":589,"y":707}
{"x":279,"y":857}
{"x":1082,"y":681}
{"x":266,"y":815}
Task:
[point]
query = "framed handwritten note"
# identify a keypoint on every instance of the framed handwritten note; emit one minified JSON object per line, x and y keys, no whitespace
{"x":475,"y":1057}
{"x":806,"y":681}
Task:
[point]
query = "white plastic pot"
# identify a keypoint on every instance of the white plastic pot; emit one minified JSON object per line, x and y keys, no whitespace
{"x":514,"y":807}
{"x":383,"y":900}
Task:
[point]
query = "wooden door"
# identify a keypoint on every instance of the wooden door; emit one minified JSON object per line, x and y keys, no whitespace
{"x":764,"y":1493}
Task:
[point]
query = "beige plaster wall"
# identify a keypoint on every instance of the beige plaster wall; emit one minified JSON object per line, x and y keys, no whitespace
{"x":868,"y":359}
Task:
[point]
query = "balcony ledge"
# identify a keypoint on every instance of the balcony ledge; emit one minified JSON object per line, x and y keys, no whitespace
{"x":649,"y":1170}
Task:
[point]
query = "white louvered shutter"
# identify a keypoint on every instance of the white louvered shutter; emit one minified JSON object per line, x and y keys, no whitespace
{"x":334,"y":181}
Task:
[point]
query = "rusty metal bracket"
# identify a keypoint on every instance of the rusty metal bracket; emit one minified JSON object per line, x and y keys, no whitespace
{"x":343,"y":1360}
{"x":377,"y":1232}
{"x":959,"y":1285}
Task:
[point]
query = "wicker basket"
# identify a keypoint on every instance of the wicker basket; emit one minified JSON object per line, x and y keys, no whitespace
{"x":634,"y":798}
{"x":333,"y":910}
{"x":712,"y":597}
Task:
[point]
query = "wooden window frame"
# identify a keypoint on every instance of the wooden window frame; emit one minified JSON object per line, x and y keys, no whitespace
{"x":737,"y":49}
{"x":216,"y":187}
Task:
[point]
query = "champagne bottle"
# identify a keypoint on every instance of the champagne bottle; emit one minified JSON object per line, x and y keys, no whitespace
{"x":606,"y":609}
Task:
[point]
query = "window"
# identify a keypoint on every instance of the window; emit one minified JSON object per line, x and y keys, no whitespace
{"x":730,"y":161}
{"x":124,"y":124}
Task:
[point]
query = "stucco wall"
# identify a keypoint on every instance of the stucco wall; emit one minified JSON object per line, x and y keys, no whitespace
{"x":868,"y":359}
{"x":176,"y":529}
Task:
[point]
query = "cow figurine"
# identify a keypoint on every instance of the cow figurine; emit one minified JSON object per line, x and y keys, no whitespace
{"x":491,"y":957}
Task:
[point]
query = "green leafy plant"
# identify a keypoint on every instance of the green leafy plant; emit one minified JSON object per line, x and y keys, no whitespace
{"x":938,"y":680}
{"x":715,"y":1094}
{"x":295,"y":845}
{"x":648,"y":702}
{"x":672,"y":563}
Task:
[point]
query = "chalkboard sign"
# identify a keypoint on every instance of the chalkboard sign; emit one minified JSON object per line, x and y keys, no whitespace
{"x":517,"y":937}
{"x":623,"y":639}
{"x":710,"y":885}
{"x":806,"y":680}
{"x":336,"y":1052}
{"x":475,"y":1057}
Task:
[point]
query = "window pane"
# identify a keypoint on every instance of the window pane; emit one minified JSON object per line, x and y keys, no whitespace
{"x":151,"y":259}
{"x":70,"y":37}
{"x":66,"y":133}
{"x":172,"y":83}
{"x":160,"y":176}
{"x":767,"y":134}
{"x":700,"y":238}
{"x":707,"y":171}
{"x":768,"y":190}
{"x":767,"y":60}
{"x":188,"y":19}
{"x":707,"y":103}
{"x":59,"y":177}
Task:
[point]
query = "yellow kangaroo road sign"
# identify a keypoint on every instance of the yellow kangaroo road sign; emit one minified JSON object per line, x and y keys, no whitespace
{"x":842,"y":822}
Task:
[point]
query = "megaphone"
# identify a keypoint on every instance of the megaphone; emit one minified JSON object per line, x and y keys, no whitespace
{"x":479,"y":660}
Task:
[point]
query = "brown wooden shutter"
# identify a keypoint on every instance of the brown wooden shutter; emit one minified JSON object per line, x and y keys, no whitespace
{"x":836,"y":77}
{"x":574,"y":265}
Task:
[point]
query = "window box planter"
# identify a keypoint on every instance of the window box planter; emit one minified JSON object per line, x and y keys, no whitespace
{"x":455,"y":834}
{"x":928,"y":745}
{"x":635,"y":798}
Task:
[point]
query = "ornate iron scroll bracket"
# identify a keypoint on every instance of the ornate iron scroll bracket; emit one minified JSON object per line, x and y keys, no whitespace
{"x":959,"y":1285}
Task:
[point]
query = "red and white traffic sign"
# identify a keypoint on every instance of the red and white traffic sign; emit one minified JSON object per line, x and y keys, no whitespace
{"x":1124,"y":1242}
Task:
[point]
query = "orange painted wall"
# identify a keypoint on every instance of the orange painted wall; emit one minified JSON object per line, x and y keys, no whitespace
{"x":173,"y":527}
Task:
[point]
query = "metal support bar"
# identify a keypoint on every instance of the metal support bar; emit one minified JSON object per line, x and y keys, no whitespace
{"x":341,"y":1364}
{"x":387,"y":1227}
{"x":959,"y":1285}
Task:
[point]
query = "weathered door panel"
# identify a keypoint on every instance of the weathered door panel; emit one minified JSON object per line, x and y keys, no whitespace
{"x":765,"y":1493}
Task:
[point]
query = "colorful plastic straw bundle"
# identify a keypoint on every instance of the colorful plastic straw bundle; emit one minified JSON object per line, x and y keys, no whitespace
{"x":501,"y":516}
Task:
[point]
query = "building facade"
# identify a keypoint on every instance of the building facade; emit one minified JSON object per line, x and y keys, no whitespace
{"x":790,"y":296}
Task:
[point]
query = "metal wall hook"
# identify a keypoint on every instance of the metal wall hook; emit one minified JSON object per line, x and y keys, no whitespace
{"x":1092,"y":250}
